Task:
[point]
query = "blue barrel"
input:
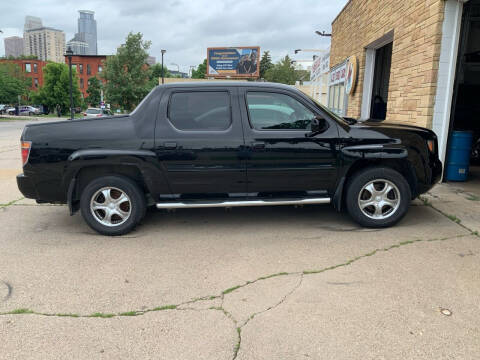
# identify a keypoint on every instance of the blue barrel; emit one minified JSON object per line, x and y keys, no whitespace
{"x":458,"y":155}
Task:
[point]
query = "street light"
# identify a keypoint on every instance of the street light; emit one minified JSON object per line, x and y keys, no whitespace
{"x":69,"y":54}
{"x":323,"y":33}
{"x":163,"y":73}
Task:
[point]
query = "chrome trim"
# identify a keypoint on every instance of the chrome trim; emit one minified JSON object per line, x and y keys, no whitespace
{"x":230,"y":203}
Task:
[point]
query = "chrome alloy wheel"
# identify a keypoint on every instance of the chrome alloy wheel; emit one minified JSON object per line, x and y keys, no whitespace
{"x":379,"y":199}
{"x":110,"y":206}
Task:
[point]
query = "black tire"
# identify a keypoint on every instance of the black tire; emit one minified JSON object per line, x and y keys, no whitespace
{"x":355,"y":191}
{"x":136,"y":205}
{"x":30,"y":113}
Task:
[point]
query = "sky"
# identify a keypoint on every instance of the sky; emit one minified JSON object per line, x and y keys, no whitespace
{"x":187,"y":28}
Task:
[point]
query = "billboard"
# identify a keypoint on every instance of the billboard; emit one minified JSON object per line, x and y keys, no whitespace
{"x":234,"y":62}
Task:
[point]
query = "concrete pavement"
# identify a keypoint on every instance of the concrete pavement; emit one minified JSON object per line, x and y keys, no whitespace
{"x":250,"y":283}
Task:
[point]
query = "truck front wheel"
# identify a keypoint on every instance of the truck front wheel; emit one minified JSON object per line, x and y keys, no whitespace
{"x":378,"y":197}
{"x":112,"y":205}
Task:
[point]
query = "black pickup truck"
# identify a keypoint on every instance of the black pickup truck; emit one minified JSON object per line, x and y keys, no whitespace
{"x":226,"y":144}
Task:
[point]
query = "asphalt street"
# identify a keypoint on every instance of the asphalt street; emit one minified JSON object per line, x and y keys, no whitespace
{"x":247,"y":283}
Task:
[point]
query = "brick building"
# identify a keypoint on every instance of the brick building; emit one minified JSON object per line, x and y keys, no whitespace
{"x":410,"y":61}
{"x":31,"y":68}
{"x":86,"y":67}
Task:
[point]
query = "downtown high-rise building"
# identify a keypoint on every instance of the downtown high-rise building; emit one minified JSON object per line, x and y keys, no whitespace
{"x":13,"y":46}
{"x":85,"y":40}
{"x":45,"y":43}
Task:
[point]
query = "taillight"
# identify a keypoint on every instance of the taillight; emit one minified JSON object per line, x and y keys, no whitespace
{"x":26,"y":146}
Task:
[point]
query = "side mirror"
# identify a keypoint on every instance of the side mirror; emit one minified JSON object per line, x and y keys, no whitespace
{"x":318,"y":125}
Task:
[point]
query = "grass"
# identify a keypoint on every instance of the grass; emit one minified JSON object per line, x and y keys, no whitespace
{"x":102,"y":315}
{"x":229,"y":290}
{"x":473,"y":197}
{"x":21,"y":311}
{"x":130,"y":313}
{"x":453,"y":218}
{"x":165,"y":307}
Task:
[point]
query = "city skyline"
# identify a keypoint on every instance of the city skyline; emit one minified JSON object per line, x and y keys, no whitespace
{"x":178,"y":27}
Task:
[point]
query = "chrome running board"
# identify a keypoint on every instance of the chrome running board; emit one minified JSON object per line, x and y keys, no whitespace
{"x":233,"y":203}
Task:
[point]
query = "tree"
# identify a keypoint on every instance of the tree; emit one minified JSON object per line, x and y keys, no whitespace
{"x":126,"y":73}
{"x":94,"y":91}
{"x":56,"y":88}
{"x":282,"y":72}
{"x":156,"y":73}
{"x":201,"y":71}
{"x":265,"y":63}
{"x":12,"y":83}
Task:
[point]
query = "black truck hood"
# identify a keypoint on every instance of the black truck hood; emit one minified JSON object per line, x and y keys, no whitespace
{"x":393,"y":128}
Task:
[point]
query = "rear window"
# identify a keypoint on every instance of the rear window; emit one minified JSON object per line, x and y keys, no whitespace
{"x":201,"y":110}
{"x":93,"y":111}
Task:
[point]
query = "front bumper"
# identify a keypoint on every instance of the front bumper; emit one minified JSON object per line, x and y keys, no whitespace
{"x":26,"y":186}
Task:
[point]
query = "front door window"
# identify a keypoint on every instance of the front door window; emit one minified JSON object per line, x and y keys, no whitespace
{"x":275,"y":111}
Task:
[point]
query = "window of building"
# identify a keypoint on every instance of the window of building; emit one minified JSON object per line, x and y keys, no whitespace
{"x":80,"y":68}
{"x":81,"y":83}
{"x":201,"y":110}
{"x":337,"y":99}
{"x":89,"y":69}
{"x":35,"y":82}
{"x":74,"y":67}
{"x":28,"y":67}
{"x":35,"y":68}
{"x":274,"y":111}
{"x":100,"y":68}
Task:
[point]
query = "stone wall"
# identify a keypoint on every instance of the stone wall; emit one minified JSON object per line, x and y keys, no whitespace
{"x":417,"y":26}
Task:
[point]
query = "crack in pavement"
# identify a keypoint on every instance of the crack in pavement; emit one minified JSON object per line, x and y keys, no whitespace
{"x":184,"y":305}
{"x":236,"y":349}
{"x":11,"y":202}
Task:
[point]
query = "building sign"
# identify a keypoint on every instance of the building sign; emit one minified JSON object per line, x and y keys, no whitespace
{"x":351,"y":76}
{"x":320,"y":66}
{"x":338,"y":74}
{"x":233,"y":62}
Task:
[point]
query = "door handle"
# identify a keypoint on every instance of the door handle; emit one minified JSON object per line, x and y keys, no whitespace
{"x":170,"y":145}
{"x":258,"y":145}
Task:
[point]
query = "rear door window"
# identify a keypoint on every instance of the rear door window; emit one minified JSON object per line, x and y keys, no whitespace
{"x":200,"y":110}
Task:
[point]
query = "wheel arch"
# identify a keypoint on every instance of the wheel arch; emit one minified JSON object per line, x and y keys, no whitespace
{"x":403,"y":166}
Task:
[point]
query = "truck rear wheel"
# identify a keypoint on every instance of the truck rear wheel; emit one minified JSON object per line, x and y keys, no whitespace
{"x":112,"y":205}
{"x":378,"y":197}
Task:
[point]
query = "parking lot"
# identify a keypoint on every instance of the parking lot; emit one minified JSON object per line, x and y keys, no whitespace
{"x":246,"y":283}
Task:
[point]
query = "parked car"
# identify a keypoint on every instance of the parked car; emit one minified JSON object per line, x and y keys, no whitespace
{"x":3,"y":109}
{"x":97,"y":112}
{"x":29,"y":110}
{"x":23,"y":110}
{"x":226,"y":144}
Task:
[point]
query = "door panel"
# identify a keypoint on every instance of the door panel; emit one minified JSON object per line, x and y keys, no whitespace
{"x":281,"y":158}
{"x":199,"y":151}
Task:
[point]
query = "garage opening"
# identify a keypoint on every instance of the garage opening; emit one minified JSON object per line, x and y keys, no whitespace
{"x":381,"y":79}
{"x":465,"y":114}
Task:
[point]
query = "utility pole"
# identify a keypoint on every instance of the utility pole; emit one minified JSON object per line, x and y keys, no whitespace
{"x":69,"y":54}
{"x":163,"y":71}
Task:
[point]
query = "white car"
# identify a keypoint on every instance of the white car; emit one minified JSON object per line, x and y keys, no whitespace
{"x":96,"y":112}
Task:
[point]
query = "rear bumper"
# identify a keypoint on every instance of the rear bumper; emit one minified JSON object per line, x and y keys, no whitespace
{"x":26,"y":186}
